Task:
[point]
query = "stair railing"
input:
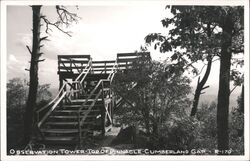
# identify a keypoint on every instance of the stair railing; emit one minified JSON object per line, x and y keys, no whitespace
{"x":78,"y":81}
{"x":59,"y":97}
{"x":99,"y":85}
{"x":51,"y":105}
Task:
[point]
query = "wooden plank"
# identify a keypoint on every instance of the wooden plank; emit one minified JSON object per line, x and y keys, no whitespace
{"x":64,"y":131}
{"x":125,"y":65}
{"x":101,"y":70}
{"x":126,"y":54}
{"x":132,"y":54}
{"x":71,"y":117}
{"x":73,"y":61}
{"x":99,"y":62}
{"x":59,"y":138}
{"x":84,"y":100}
{"x":73,"y":56}
{"x":74,"y":65}
{"x":107,"y":66}
{"x":126,"y":60}
{"x":74,"y":111}
{"x":69,"y":68}
{"x":62,"y":123}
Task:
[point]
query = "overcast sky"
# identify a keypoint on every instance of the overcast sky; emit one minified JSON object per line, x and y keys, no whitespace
{"x":102,"y":32}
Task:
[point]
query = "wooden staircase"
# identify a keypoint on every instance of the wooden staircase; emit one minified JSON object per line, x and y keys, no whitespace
{"x":83,"y":107}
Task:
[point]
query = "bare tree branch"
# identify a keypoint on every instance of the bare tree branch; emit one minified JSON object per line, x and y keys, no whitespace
{"x":29,"y":49}
{"x":44,"y":38}
{"x":56,"y":24}
{"x":40,"y":60}
{"x":205,"y":87}
{"x":64,"y":18}
{"x":41,"y":46}
{"x":206,"y":65}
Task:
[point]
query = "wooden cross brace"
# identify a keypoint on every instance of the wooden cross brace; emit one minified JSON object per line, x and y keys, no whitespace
{"x":107,"y":102}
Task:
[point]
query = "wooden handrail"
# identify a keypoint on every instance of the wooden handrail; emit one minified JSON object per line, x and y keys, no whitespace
{"x":74,"y":56}
{"x":50,"y":111}
{"x":88,"y":68}
{"x":89,"y":109}
{"x":72,"y":62}
{"x":109,"y":79}
{"x":47,"y":105}
{"x":98,"y":84}
{"x":59,"y":97}
{"x":113,"y":71}
{"x":90,"y":95}
{"x":83,"y":72}
{"x":85,"y":75}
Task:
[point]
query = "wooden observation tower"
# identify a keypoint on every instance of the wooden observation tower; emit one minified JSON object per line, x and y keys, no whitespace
{"x":85,"y":102}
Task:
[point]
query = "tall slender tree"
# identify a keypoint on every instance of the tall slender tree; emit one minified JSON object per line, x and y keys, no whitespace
{"x":192,"y":24}
{"x":64,"y":18}
{"x":33,"y":71}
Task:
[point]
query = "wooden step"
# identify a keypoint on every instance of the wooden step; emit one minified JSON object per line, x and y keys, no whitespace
{"x":106,"y":89}
{"x":74,"y":111}
{"x":63,"y":131}
{"x":71,"y":106}
{"x":62,"y":123}
{"x":66,"y":111}
{"x":59,"y":138}
{"x":84,"y":100}
{"x":77,"y":107}
{"x":69,"y":117}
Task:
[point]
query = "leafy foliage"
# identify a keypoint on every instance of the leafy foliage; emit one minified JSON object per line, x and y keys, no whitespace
{"x":203,"y":32}
{"x":157,"y":95}
{"x":17,"y":93}
{"x":17,"y":90}
{"x":188,"y":133}
{"x":181,"y":133}
{"x":198,"y":31}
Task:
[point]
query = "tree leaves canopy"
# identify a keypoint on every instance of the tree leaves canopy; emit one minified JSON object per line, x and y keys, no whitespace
{"x":198,"y":31}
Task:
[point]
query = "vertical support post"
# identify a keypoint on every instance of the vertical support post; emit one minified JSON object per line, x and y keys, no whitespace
{"x":113,"y":105}
{"x":80,"y":129}
{"x":103,"y":113}
{"x":105,"y":67}
{"x":60,"y":86}
{"x":70,"y":65}
{"x":82,"y":67}
{"x":60,"y":83}
{"x":74,"y":88}
{"x":65,"y":89}
{"x":110,"y":104}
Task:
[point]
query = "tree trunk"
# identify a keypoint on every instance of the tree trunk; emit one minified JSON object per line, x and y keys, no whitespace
{"x":33,"y":83}
{"x":224,"y":86}
{"x":145,"y":114}
{"x":200,"y":87}
{"x":241,"y":104}
{"x":155,"y":128}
